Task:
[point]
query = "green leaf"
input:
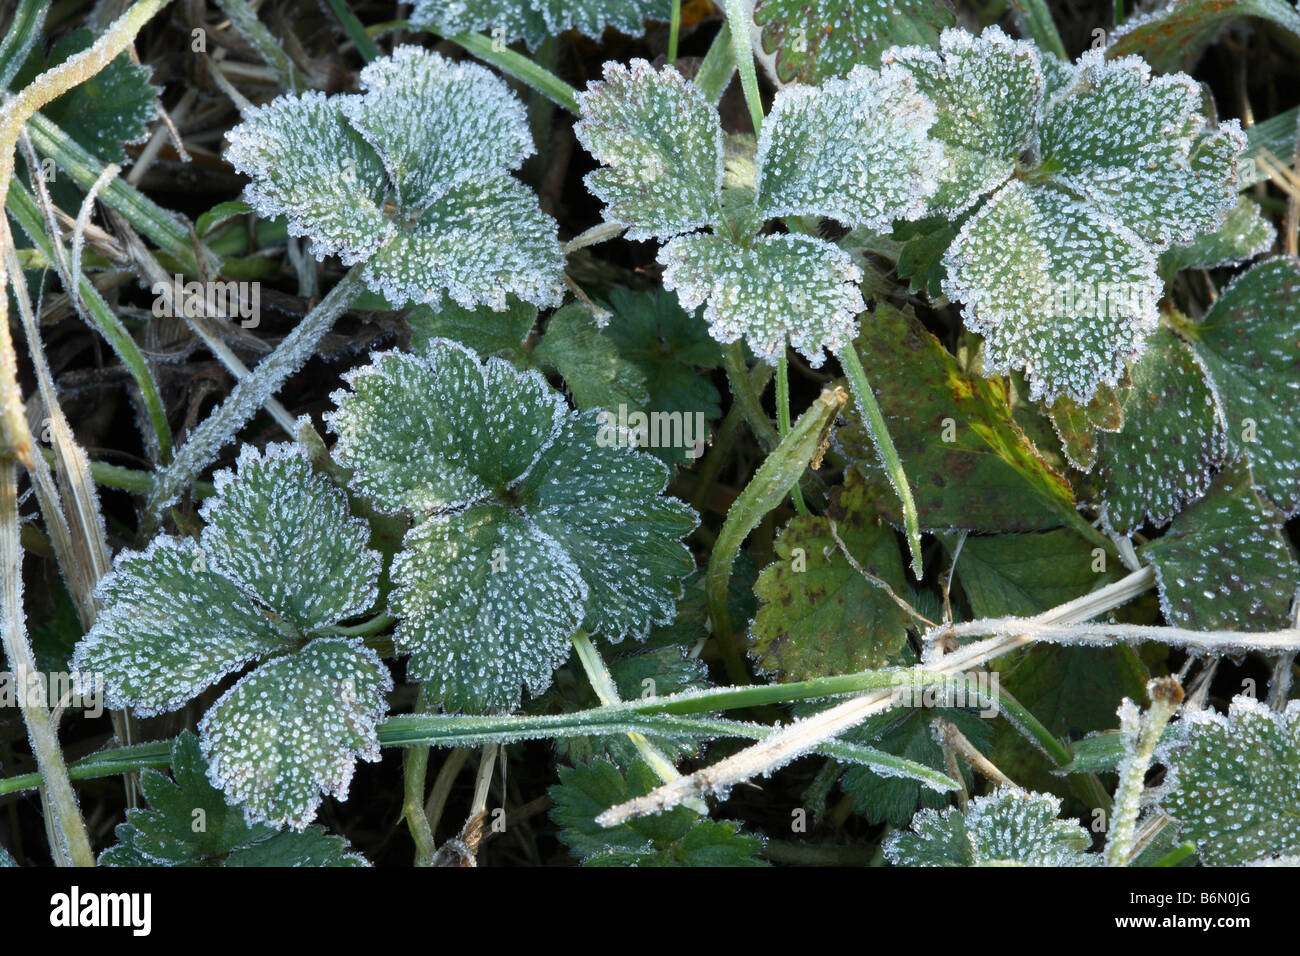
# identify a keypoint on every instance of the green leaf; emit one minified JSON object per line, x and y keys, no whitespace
{"x":530,"y":523}
{"x":481,"y":329}
{"x":1233,"y":779}
{"x":284,"y":534}
{"x":1177,"y":32}
{"x":920,"y":260}
{"x":677,"y":837}
{"x":113,"y":107}
{"x":660,"y":144}
{"x":779,"y":289}
{"x":817,"y":39}
{"x":1248,"y":345}
{"x":1224,"y":563}
{"x":590,"y":363}
{"x":1244,"y":235}
{"x":22,"y":30}
{"x":989,"y":477}
{"x":1171,"y":441}
{"x":1008,"y":827}
{"x":988,"y":93}
{"x":1077,"y":425}
{"x":533,"y":21}
{"x":856,"y":150}
{"x":818,"y":615}
{"x":288,"y":734}
{"x":1057,"y":288}
{"x":189,"y":823}
{"x":1022,"y":575}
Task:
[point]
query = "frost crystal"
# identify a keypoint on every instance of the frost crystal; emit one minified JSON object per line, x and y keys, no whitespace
{"x":412,"y":177}
{"x":528,"y":526}
{"x":534,"y":20}
{"x":1095,"y":169}
{"x":1008,"y":826}
{"x":1233,"y":781}
{"x":281,"y":559}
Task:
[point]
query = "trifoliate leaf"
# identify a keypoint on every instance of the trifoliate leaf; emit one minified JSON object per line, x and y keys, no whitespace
{"x":817,"y":39}
{"x":1056,"y":287}
{"x":589,"y":361}
{"x":481,"y":329}
{"x":289,"y":733}
{"x":189,"y":823}
{"x":284,"y":534}
{"x":532,"y":526}
{"x":660,"y":144}
{"x":112,"y":107}
{"x":988,"y":94}
{"x":1244,"y":235}
{"x":970,"y":464}
{"x":170,"y":626}
{"x":1138,"y":146}
{"x":1233,"y":780}
{"x":1176,"y":32}
{"x":817,"y":614}
{"x":1078,"y":425}
{"x":678,"y":837}
{"x":856,"y":150}
{"x":1010,"y":826}
{"x":779,"y":289}
{"x":1223,"y":564}
{"x":410,"y":177}
{"x":534,"y":20}
{"x":1171,"y":441}
{"x":1249,"y":344}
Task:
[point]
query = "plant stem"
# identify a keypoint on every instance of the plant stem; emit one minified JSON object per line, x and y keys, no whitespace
{"x":783,"y":421}
{"x":521,"y":68}
{"x":71,"y":829}
{"x":745,"y":395}
{"x":415,"y":763}
{"x":893,"y":465}
{"x":714,"y":74}
{"x":245,"y":21}
{"x":355,"y":31}
{"x":739,"y":17}
{"x":674,"y":28}
{"x":1141,"y":734}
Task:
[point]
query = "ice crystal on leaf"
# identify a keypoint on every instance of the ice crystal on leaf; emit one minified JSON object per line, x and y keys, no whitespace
{"x":528,"y":524}
{"x":855,"y":150}
{"x":1233,"y":781}
{"x":534,"y":20}
{"x":189,"y":823}
{"x":279,"y":561}
{"x":1009,"y":826}
{"x":1093,"y":171}
{"x":1244,"y":235}
{"x":411,"y":177}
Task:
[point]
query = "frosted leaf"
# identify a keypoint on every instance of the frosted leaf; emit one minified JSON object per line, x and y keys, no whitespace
{"x":1171,"y":440}
{"x":1058,"y":76}
{"x":588,"y":359}
{"x":1058,"y":289}
{"x":855,"y":150}
{"x":480,"y":242}
{"x":779,"y":289}
{"x":307,"y":164}
{"x":1249,"y":343}
{"x":284,"y":534}
{"x":431,"y":208}
{"x":487,"y":603}
{"x":1233,"y":781}
{"x":170,"y":627}
{"x":442,"y":431}
{"x":1137,"y":146}
{"x":817,"y":39}
{"x":1244,"y":235}
{"x":435,"y":122}
{"x":531,"y":524}
{"x":289,"y":733}
{"x":606,"y":508}
{"x":988,"y":95}
{"x":660,"y":145}
{"x":165,"y":834}
{"x":1009,"y":826}
{"x":1223,"y":564}
{"x":1176,"y":32}
{"x":534,"y":20}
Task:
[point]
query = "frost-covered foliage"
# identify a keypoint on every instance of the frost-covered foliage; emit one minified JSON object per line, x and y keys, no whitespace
{"x":855,"y":149}
{"x":1074,"y":195}
{"x":279,"y":562}
{"x":411,"y":177}
{"x":534,"y":20}
{"x":527,"y":524}
{"x":1007,"y":827}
